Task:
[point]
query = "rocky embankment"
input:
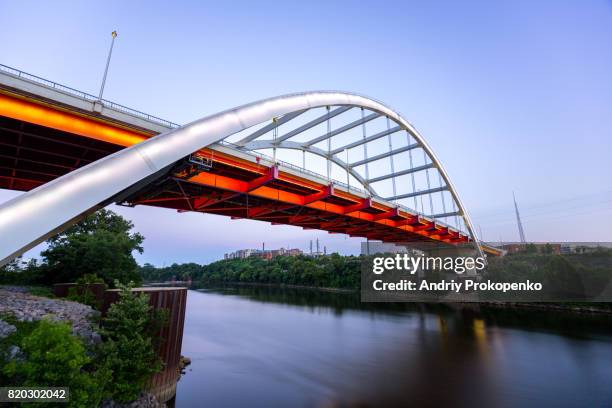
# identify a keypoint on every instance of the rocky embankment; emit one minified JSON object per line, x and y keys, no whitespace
{"x":26,"y":307}
{"x":146,"y":400}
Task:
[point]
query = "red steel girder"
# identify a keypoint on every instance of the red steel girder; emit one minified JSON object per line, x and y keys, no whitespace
{"x":327,"y":192}
{"x":199,"y":203}
{"x":413,"y":220}
{"x":394,"y":212}
{"x":271,"y":174}
{"x":297,"y":219}
{"x":362,"y":205}
{"x":335,"y":224}
{"x":261,"y":211}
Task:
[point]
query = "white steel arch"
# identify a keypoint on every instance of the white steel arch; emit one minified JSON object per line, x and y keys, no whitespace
{"x":34,"y":216}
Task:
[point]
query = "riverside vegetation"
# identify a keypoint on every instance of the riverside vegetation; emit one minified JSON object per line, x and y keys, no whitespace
{"x":333,"y":271}
{"x":569,"y":276}
{"x":45,"y":352}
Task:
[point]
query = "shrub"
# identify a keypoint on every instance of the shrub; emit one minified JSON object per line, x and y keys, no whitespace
{"x":82,"y":292}
{"x":56,"y":358}
{"x":128,"y":350}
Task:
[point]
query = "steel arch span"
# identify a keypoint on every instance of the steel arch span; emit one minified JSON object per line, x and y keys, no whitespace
{"x":37,"y":214}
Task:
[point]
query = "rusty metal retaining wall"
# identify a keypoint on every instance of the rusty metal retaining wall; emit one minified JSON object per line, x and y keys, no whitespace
{"x":163,"y":384}
{"x":97,"y":289}
{"x":173,"y":299}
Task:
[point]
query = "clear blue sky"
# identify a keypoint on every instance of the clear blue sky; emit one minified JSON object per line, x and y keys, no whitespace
{"x":512,"y":95}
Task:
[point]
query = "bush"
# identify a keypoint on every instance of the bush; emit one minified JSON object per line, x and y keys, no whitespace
{"x":20,"y":272}
{"x":128,"y":350}
{"x":117,"y":368}
{"x":82,"y":292}
{"x":56,"y":358}
{"x":42,"y":291}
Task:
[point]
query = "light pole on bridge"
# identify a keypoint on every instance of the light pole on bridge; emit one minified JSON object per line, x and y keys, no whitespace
{"x":110,"y":52}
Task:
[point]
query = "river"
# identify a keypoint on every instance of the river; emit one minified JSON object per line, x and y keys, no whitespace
{"x":273,"y":347}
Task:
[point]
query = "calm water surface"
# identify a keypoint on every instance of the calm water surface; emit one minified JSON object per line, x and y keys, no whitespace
{"x":271,"y":347}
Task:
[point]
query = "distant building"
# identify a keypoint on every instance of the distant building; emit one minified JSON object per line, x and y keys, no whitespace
{"x":554,"y":247}
{"x":513,"y":248}
{"x":371,"y":248}
{"x":242,"y":253}
{"x":263,"y":253}
{"x":579,"y":248}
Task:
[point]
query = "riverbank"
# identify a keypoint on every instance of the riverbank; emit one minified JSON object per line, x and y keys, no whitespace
{"x":22,"y":312}
{"x":552,"y":307}
{"x":289,"y":286}
{"x":575,"y":308}
{"x":18,"y":302}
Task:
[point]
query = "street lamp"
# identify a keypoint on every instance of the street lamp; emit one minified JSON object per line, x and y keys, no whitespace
{"x":110,"y":52}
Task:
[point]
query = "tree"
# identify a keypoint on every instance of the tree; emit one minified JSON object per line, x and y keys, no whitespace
{"x":83,"y":291}
{"x":129,"y":331}
{"x":21,"y":272}
{"x":101,"y":244}
{"x":562,"y":279}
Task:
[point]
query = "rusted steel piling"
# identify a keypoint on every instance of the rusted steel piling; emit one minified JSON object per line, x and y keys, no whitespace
{"x":172,"y":299}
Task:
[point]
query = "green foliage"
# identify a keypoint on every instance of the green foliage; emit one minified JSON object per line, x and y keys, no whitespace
{"x":128,"y":350}
{"x":333,"y":271}
{"x":83,"y":292}
{"x":24,"y":328}
{"x":42,"y":291}
{"x":117,"y":368}
{"x":19,"y":272}
{"x":181,"y":272}
{"x":89,"y":278}
{"x":565,"y":278}
{"x":56,"y":358}
{"x":100,"y":244}
{"x":562,"y":278}
{"x":567,"y":275}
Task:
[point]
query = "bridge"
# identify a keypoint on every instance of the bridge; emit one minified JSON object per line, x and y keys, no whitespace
{"x":73,"y":153}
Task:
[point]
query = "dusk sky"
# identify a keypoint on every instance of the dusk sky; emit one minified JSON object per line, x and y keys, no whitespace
{"x":512,"y":96}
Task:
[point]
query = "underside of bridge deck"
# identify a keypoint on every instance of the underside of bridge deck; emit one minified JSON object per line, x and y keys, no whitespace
{"x":238,"y":189}
{"x":31,"y":155}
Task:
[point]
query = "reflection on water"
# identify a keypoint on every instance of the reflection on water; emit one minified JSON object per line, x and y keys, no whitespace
{"x":271,"y":347}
